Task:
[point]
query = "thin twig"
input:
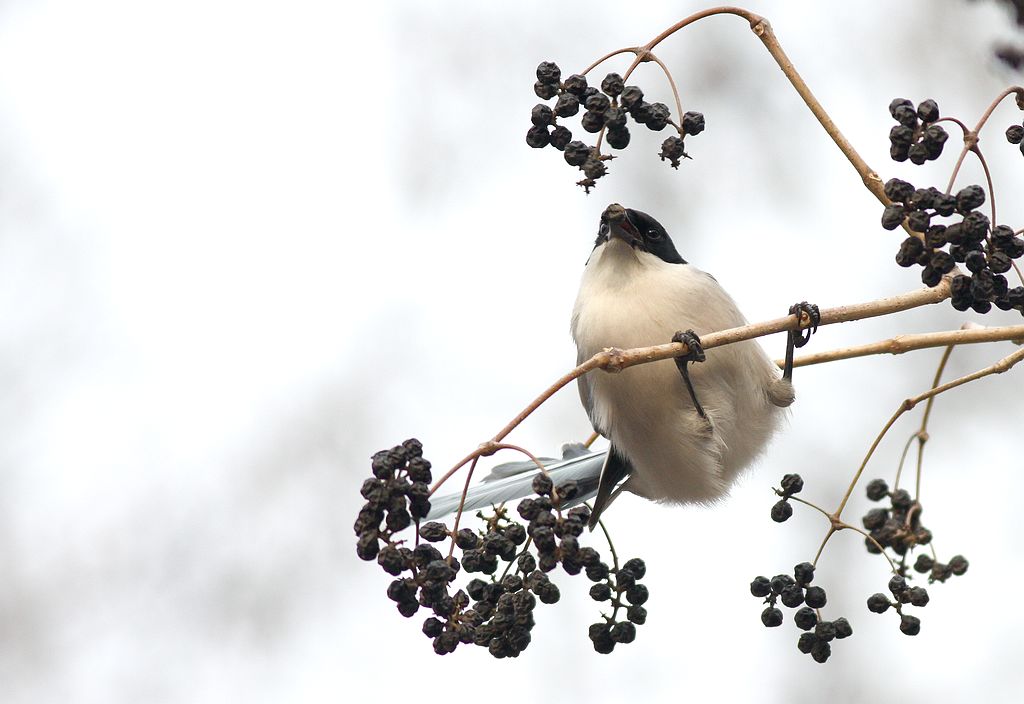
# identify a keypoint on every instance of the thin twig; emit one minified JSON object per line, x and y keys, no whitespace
{"x":675,"y":91}
{"x":971,"y":137}
{"x":922,"y":432}
{"x":616,"y":360}
{"x":870,"y":178}
{"x":907,"y":404}
{"x":908,"y":343}
{"x":903,"y":458}
{"x":462,"y":503}
{"x":762,"y":29}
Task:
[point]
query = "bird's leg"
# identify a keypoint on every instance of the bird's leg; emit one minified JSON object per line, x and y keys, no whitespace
{"x":800,"y":337}
{"x":695,"y":353}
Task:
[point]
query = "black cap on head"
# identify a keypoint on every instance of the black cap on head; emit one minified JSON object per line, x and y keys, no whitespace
{"x":638,"y":229}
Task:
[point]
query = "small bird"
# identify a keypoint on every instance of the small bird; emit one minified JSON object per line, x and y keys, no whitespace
{"x":676,"y":435}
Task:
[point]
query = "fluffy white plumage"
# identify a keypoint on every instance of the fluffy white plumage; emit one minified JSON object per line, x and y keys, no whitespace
{"x":631,"y":298}
{"x":637,"y":291}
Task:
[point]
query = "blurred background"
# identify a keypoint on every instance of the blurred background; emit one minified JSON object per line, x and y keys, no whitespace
{"x":245,"y":245}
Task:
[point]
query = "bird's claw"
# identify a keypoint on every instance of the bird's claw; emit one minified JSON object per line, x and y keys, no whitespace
{"x":695,"y":353}
{"x":802,"y":337}
{"x":695,"y":350}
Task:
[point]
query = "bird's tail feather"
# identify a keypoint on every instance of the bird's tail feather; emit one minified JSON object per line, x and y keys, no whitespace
{"x":514,"y":480}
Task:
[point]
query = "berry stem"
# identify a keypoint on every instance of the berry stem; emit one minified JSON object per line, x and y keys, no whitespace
{"x":533,"y":458}
{"x":763,"y":30}
{"x":998,"y":368}
{"x":903,"y":459}
{"x":526,"y":548}
{"x":816,"y":507}
{"x":608,"y":538}
{"x":881,"y":550}
{"x":988,"y":179}
{"x":971,"y":145}
{"x":627,"y":50}
{"x":831,"y":531}
{"x":966,"y":130}
{"x":922,"y":433}
{"x":458,"y":513}
{"x":615,"y":568}
{"x":675,"y":91}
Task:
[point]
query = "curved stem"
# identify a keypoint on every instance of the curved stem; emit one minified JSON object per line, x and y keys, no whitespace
{"x":675,"y":91}
{"x":831,"y":531}
{"x":922,"y":432}
{"x":881,"y":550}
{"x":462,"y":502}
{"x":909,"y":403}
{"x":762,"y":29}
{"x":971,"y":137}
{"x":749,"y":16}
{"x":626,"y":50}
{"x":904,"y":407}
{"x":988,"y":181}
{"x":903,"y":458}
{"x":868,"y":176}
{"x":816,"y":507}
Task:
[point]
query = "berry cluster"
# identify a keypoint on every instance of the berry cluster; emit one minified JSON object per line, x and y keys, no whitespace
{"x":916,"y":136}
{"x":501,"y":617}
{"x":795,"y":592}
{"x":396,"y":495}
{"x":986,"y":251}
{"x":1015,"y":135}
{"x":557,"y":541}
{"x":782,"y":510}
{"x":940,"y":571}
{"x":902,"y":594}
{"x":898,"y":527}
{"x":605,"y":110}
{"x":496,"y":610}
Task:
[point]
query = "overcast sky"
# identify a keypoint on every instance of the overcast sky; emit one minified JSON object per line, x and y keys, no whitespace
{"x":245,"y":245}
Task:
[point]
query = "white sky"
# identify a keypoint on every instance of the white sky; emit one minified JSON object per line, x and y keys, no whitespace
{"x":245,"y":245}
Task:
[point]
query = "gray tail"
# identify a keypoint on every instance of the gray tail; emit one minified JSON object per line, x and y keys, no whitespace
{"x":514,"y":480}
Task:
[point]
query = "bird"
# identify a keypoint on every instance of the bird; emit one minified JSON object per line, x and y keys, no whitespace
{"x":678,"y":434}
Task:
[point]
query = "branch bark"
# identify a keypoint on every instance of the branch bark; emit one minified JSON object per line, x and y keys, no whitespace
{"x":908,"y":343}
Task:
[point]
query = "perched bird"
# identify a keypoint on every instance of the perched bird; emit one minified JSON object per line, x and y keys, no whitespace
{"x":677,"y":434}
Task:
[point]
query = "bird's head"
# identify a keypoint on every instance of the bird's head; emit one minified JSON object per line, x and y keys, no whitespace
{"x":637,"y":230}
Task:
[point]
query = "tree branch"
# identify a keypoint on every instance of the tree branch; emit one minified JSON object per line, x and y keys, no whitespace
{"x":615,"y":360}
{"x":908,"y":343}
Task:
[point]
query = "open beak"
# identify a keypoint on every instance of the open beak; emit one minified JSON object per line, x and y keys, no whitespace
{"x":620,"y":226}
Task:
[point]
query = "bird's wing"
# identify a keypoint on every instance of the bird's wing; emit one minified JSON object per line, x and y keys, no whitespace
{"x":579,"y":465}
{"x":616,"y":468}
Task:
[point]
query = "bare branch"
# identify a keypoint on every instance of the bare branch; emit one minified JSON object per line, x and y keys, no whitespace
{"x":908,"y":343}
{"x":998,"y":368}
{"x":615,"y":360}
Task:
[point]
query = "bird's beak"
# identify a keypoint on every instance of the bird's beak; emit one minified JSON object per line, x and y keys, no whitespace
{"x":620,"y":226}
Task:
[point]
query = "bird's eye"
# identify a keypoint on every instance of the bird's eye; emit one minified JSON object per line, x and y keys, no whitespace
{"x":604,"y":230}
{"x":653,"y":235}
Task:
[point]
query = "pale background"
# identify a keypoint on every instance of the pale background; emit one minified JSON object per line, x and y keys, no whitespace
{"x":243,"y":245}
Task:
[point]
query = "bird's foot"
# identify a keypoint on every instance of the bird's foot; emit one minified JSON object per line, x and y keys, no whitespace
{"x":695,"y":353}
{"x":802,"y":335}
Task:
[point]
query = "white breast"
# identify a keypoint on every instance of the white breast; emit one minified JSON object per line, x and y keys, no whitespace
{"x":630,"y":298}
